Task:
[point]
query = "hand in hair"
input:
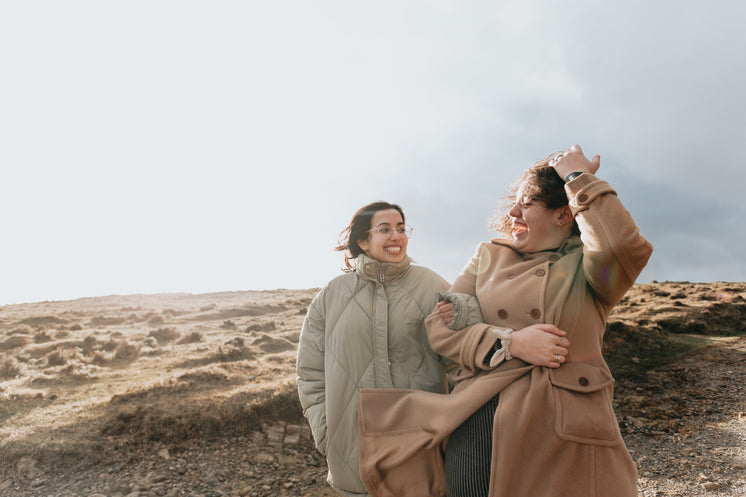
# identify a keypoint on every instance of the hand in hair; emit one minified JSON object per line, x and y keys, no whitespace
{"x":573,"y":160}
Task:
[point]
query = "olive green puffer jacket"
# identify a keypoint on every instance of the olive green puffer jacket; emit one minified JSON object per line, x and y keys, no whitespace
{"x":365,"y":329}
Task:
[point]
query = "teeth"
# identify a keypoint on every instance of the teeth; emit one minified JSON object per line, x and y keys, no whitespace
{"x":519,"y":228}
{"x":393,"y":250}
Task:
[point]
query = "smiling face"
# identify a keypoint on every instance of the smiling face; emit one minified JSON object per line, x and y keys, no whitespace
{"x":535,"y":227}
{"x":389,"y":248}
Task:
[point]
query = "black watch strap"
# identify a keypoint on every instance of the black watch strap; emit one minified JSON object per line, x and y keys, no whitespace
{"x":572,"y":176}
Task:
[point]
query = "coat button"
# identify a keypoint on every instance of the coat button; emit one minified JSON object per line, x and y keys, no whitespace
{"x":582,"y":198}
{"x":502,"y":314}
{"x":540,"y":272}
{"x":583,"y":381}
{"x":535,"y":313}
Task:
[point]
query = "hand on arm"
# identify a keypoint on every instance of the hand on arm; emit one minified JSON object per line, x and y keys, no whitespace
{"x":447,"y":311}
{"x":540,"y":344}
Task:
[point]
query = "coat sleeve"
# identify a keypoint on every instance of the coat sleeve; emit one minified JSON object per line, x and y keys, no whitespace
{"x":614,"y":252}
{"x":310,"y":369}
{"x":472,"y":346}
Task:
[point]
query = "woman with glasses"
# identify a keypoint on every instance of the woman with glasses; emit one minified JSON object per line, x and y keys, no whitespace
{"x":569,"y":252}
{"x":366,"y":328}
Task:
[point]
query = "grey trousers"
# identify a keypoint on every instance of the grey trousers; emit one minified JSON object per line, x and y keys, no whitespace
{"x":469,"y":454}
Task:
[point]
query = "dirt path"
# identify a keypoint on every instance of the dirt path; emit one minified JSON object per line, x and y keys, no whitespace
{"x":686,"y":424}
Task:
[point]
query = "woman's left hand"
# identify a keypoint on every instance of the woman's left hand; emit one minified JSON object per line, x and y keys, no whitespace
{"x":573,"y":161}
{"x":540,"y":344}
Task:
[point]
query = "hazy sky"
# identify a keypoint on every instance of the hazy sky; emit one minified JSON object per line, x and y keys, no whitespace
{"x":182,"y":146}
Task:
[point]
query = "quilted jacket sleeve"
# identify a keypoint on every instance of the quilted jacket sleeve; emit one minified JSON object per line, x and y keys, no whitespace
{"x":468,"y":311}
{"x":310,"y":369}
{"x":614,"y":252}
{"x":473,"y":345}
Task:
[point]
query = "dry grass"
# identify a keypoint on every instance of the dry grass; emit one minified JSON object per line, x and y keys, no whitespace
{"x":79,"y":380}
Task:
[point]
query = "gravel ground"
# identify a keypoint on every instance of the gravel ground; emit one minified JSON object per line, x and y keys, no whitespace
{"x":688,"y":434}
{"x":685,"y":425}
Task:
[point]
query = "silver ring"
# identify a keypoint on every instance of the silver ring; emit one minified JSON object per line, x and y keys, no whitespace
{"x":561,"y":340}
{"x":557,"y":357}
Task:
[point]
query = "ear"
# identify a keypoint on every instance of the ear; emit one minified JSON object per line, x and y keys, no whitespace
{"x":363,"y":244}
{"x":564,"y":216}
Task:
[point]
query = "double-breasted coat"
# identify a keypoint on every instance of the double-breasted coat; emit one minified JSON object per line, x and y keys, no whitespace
{"x":555,"y":431}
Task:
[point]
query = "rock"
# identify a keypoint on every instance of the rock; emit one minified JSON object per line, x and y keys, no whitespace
{"x":163,"y":453}
{"x":264,"y":458}
{"x":292,"y":435}
{"x":275,"y":434}
{"x":711,"y":485}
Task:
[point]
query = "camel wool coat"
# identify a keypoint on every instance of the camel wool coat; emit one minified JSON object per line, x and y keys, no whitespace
{"x":555,"y":431}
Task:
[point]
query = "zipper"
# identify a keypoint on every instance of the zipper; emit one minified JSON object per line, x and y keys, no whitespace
{"x":381,"y":274}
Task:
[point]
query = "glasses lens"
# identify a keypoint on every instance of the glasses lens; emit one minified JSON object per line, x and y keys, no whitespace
{"x":388,"y":231}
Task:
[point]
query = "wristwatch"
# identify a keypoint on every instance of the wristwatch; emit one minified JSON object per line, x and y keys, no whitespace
{"x":572,"y":176}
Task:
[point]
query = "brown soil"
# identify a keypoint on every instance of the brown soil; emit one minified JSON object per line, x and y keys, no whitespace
{"x":165,"y":395}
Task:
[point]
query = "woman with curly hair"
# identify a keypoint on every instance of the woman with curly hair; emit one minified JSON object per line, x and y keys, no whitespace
{"x":567,"y":254}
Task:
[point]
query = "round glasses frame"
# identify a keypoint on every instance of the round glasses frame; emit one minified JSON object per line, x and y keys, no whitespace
{"x":388,"y":231}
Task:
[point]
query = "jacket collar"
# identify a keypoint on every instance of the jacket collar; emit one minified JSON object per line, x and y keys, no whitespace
{"x":371,"y":269}
{"x":568,"y":245}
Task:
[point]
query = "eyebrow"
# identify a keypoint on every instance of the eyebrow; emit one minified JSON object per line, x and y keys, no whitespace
{"x":389,"y":224}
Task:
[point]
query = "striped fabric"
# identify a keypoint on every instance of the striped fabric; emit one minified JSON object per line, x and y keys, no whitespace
{"x":469,"y":454}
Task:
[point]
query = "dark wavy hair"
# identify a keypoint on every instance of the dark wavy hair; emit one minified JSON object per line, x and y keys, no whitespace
{"x":541,"y":183}
{"x":358,"y":230}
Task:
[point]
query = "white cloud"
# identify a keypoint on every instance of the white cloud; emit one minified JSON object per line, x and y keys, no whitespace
{"x":155,"y":146}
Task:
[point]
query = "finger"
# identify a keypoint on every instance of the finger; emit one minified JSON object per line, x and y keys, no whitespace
{"x":576,"y":148}
{"x":549,"y":328}
{"x":557,"y":360}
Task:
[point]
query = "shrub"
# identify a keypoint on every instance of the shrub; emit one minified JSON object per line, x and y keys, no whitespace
{"x":193,"y":337}
{"x":9,"y":368}
{"x":164,"y":335}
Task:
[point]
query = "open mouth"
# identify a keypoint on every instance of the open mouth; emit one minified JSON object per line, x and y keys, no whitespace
{"x":393,"y":250}
{"x":518,"y":229}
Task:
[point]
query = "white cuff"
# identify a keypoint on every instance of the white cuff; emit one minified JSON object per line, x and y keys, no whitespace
{"x":502,"y":354}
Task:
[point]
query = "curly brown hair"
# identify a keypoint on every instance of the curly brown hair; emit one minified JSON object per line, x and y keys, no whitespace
{"x":541,"y":183}
{"x":358,"y":230}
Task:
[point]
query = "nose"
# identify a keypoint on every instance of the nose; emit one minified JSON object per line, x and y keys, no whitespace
{"x":514,"y":211}
{"x":395,"y":235}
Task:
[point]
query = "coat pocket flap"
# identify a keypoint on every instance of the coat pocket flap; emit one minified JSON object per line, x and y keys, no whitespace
{"x":580,"y":377}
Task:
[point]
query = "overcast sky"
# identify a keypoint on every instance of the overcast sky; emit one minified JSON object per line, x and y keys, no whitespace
{"x":180,"y":146}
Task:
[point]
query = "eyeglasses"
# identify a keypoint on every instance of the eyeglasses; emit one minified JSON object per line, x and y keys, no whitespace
{"x":387,"y":231}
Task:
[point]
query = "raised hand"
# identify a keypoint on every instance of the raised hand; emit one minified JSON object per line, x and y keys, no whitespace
{"x":573,"y":160}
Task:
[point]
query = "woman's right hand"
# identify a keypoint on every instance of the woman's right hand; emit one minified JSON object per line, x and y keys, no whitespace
{"x":447,"y":311}
{"x":540,"y":344}
{"x":573,"y":160}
